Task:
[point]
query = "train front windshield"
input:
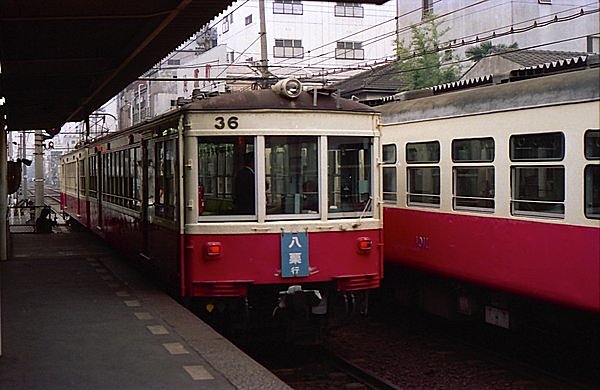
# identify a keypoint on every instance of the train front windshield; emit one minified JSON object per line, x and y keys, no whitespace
{"x":287,"y":175}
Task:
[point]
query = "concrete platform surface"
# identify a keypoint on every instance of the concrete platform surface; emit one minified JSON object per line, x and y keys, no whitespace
{"x":76,"y":317}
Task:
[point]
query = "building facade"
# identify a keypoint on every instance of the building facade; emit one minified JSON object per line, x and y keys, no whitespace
{"x":565,"y":25}
{"x":320,"y":42}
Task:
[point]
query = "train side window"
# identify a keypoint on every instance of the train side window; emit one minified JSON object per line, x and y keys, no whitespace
{"x":592,"y":191}
{"x":537,"y":147}
{"x":538,"y":190}
{"x":165,"y":173}
{"x":389,"y":154}
{"x":592,"y":174}
{"x":473,"y":185}
{"x":389,"y":182}
{"x":423,"y":181}
{"x":226,"y":179}
{"x":592,"y":144}
{"x":82,"y":185}
{"x":473,"y":150}
{"x":292,"y":176}
{"x":423,"y":152}
{"x":93,"y":185}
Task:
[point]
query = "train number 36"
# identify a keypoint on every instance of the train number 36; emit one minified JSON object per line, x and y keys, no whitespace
{"x":231,"y":123}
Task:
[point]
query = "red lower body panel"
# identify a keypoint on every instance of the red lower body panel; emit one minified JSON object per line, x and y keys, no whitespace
{"x":550,"y":261}
{"x":255,"y":259}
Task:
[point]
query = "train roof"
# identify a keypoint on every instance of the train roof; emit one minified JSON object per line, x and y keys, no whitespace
{"x":268,"y":99}
{"x":579,"y":85}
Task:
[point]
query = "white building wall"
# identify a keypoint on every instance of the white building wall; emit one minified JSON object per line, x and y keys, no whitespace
{"x":317,"y":27}
{"x":466,"y":23}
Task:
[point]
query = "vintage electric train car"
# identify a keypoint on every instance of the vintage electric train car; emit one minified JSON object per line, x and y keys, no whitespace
{"x":492,"y":195}
{"x":264,"y":193}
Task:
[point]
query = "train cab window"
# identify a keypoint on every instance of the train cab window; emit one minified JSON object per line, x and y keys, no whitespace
{"x":423,"y":181}
{"x":473,"y":184}
{"x":226,"y":178}
{"x":292,"y":179}
{"x":538,"y":188}
{"x":389,"y":173}
{"x":349,"y":176}
{"x":592,"y":174}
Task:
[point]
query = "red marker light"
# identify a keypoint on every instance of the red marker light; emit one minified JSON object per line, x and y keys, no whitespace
{"x":365,"y":244}
{"x":213,"y":249}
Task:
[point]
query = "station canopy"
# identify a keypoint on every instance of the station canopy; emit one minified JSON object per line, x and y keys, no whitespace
{"x":60,"y":60}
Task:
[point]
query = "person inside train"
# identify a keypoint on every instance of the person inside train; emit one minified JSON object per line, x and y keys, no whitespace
{"x":243,"y":187}
{"x":310,"y":196}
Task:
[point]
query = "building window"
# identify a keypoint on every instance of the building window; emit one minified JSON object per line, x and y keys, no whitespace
{"x":349,"y":51}
{"x":427,"y":7}
{"x":288,"y":48}
{"x":538,"y":189}
{"x":351,"y":10}
{"x":423,"y":181}
{"x":225,"y":25}
{"x":248,"y":20}
{"x":390,"y":188}
{"x":473,"y":183}
{"x":291,"y":7}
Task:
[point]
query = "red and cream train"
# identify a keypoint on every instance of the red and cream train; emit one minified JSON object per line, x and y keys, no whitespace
{"x":264,"y":193}
{"x":492,"y":194}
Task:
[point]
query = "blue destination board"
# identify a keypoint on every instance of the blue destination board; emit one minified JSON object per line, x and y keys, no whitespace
{"x":294,"y":255}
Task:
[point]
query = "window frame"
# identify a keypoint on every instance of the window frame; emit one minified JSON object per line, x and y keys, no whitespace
{"x":355,"y":50}
{"x":389,"y":165}
{"x":288,"y":7}
{"x":416,"y":165}
{"x":348,"y":10}
{"x":282,"y":45}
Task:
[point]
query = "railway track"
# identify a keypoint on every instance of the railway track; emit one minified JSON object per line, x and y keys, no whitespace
{"x":416,"y":351}
{"x":314,"y":367}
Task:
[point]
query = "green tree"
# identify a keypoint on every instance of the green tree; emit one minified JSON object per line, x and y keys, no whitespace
{"x":476,"y":53}
{"x":423,"y":64}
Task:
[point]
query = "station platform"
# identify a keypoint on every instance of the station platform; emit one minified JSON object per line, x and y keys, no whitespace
{"x":75,"y":317}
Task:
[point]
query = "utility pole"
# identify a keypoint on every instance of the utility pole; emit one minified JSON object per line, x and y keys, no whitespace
{"x":24,"y":178}
{"x":264,"y":59}
{"x":3,"y":195}
{"x":39,"y":172}
{"x":3,"y":208}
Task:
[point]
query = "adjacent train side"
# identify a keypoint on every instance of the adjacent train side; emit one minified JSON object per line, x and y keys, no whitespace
{"x":240,"y":197}
{"x":492,"y":194}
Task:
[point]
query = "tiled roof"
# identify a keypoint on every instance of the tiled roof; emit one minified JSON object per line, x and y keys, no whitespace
{"x":384,"y":78}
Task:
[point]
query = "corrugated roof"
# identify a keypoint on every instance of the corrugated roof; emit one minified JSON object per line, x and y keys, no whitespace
{"x":536,"y":57}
